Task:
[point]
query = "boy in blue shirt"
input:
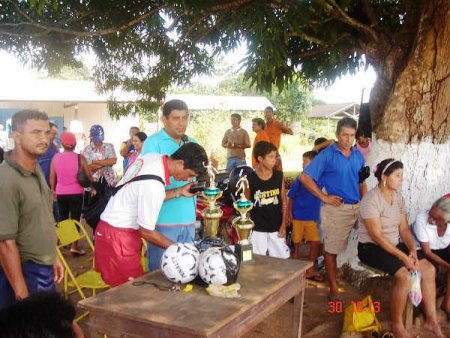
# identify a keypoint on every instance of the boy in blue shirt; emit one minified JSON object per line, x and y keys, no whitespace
{"x":304,"y":210}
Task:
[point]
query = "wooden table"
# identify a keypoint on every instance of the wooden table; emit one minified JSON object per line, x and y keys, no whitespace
{"x":145,"y":311}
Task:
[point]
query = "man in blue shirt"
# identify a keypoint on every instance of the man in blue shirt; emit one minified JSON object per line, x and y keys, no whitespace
{"x":46,"y":160}
{"x":337,"y":169}
{"x":176,"y":219}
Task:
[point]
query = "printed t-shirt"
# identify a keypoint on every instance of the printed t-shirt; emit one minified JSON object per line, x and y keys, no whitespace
{"x":267,"y":205}
{"x":138,"y":203}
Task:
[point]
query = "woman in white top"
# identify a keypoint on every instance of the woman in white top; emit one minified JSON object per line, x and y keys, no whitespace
{"x":433,"y":232}
{"x":382,"y":224}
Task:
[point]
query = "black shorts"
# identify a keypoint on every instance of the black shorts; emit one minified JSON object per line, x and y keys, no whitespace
{"x":442,"y":253}
{"x":374,"y":256}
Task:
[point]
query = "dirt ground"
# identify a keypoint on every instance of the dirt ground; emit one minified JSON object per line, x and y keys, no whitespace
{"x":318,"y":321}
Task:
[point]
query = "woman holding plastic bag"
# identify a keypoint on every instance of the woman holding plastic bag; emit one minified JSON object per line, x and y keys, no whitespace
{"x":382,"y":223}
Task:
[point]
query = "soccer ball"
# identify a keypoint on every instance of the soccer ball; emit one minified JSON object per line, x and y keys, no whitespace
{"x":179,"y":262}
{"x":218,"y":266}
{"x":209,"y":242}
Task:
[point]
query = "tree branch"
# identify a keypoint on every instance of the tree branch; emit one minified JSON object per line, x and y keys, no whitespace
{"x":74,"y":33}
{"x":231,"y":5}
{"x":308,"y":37}
{"x":334,"y":9}
{"x":310,"y":53}
{"x":370,"y":13}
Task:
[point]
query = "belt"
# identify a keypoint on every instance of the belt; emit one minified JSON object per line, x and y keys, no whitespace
{"x":351,"y":203}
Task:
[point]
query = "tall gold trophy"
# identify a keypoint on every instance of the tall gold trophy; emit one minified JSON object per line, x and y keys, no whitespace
{"x":212,"y":213}
{"x":243,"y":224}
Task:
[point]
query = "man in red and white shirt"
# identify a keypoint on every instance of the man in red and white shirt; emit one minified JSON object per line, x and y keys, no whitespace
{"x":132,"y":212}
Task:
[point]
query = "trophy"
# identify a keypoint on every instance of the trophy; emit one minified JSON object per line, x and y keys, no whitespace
{"x":212,"y":213}
{"x":243,"y":224}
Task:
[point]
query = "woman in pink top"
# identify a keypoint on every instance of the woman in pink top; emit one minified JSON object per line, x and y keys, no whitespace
{"x":363,"y":144}
{"x":138,"y":142}
{"x":63,"y":182}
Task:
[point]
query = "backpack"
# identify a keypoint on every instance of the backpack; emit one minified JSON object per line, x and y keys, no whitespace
{"x":98,"y":203}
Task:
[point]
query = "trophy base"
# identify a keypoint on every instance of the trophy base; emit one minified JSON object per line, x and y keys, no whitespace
{"x":244,"y":252}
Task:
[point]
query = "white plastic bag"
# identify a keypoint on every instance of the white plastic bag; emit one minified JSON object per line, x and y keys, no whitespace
{"x":415,"y":292}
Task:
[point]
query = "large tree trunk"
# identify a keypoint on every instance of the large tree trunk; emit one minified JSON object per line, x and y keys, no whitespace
{"x":410,"y":110}
{"x":414,"y":124}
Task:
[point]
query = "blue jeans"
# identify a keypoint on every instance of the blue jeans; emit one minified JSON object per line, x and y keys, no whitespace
{"x":233,"y":162}
{"x":37,"y":277}
{"x":175,"y":233}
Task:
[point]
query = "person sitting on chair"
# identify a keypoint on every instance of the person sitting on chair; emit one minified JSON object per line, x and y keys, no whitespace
{"x":382,"y":222}
{"x":432,"y":229}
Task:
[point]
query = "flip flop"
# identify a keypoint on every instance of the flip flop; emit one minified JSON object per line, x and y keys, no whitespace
{"x":77,"y":252}
{"x":316,"y":278}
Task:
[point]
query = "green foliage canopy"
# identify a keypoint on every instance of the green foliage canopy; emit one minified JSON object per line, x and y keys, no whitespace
{"x":146,"y":46}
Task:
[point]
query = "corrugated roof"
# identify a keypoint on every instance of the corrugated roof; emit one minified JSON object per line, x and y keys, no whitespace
{"x":84,"y":91}
{"x":56,"y":91}
{"x":214,"y":102}
{"x":332,"y":110}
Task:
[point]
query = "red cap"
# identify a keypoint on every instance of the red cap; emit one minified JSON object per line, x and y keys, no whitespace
{"x":68,"y":139}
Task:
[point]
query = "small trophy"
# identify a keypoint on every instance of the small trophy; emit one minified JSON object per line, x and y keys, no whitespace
{"x":243,"y":224}
{"x":212,"y":213}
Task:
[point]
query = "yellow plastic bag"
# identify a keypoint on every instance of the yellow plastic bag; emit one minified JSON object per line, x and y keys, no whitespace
{"x":360,"y":317}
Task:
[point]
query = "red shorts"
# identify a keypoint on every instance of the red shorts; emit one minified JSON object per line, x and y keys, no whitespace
{"x":117,"y":253}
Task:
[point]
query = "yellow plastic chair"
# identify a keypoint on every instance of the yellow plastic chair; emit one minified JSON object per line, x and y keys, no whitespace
{"x":144,"y":259}
{"x":68,"y":233}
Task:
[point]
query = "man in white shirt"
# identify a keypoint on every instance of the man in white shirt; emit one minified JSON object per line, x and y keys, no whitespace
{"x":132,"y":212}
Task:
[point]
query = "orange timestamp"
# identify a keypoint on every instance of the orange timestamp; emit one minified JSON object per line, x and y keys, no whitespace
{"x":337,"y":306}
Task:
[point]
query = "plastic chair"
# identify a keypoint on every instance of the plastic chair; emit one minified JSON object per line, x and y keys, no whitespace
{"x":144,"y":259}
{"x":68,"y":233}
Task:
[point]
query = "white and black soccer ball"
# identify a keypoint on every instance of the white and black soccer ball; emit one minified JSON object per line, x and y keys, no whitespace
{"x":179,"y":262}
{"x":218,"y":266}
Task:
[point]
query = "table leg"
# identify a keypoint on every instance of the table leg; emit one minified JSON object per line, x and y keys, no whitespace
{"x":298,"y":314}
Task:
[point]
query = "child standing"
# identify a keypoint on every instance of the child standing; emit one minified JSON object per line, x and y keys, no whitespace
{"x":304,"y":210}
{"x":267,"y":192}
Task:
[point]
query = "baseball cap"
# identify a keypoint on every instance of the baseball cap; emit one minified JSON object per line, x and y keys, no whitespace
{"x":68,"y":139}
{"x":97,"y":134}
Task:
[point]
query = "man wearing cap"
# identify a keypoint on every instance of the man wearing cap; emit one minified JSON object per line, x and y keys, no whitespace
{"x":176,"y":219}
{"x":100,"y":156}
{"x":28,"y":260}
{"x":337,"y":169}
{"x":67,"y":192}
{"x":274,"y":129}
